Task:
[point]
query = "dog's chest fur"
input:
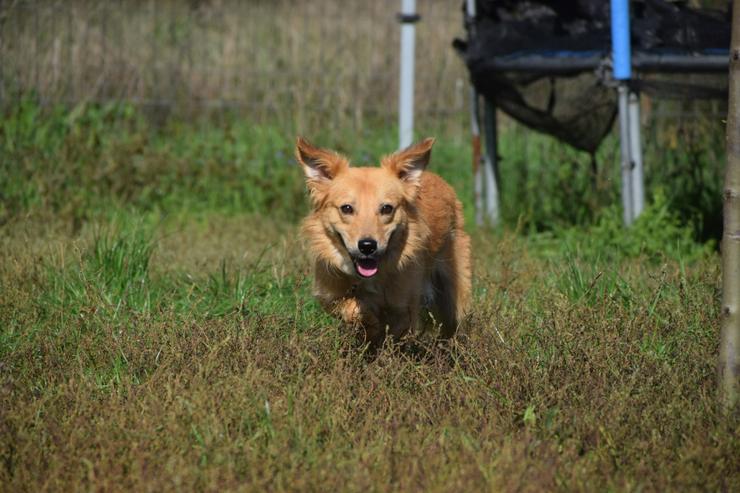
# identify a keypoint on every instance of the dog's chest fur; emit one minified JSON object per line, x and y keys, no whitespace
{"x":368,"y":288}
{"x":378,"y":291}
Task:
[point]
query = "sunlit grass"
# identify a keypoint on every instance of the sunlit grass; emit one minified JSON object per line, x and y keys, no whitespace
{"x":157,"y":332}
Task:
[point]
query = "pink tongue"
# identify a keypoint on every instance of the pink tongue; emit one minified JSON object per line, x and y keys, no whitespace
{"x":368,"y":270}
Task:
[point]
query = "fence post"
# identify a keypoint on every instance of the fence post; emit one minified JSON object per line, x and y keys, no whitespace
{"x":729,"y":364}
{"x":407,"y":17}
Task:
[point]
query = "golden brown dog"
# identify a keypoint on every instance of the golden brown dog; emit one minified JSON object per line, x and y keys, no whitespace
{"x":386,"y":241}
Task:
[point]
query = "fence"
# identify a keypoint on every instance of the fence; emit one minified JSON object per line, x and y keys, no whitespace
{"x":333,"y":62}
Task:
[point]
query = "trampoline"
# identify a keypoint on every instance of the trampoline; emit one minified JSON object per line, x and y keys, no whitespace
{"x":595,"y":57}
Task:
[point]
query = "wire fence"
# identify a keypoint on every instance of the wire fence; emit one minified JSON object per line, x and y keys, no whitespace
{"x":328,"y":61}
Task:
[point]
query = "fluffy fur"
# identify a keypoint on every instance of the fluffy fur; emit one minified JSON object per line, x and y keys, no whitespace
{"x":412,"y":218}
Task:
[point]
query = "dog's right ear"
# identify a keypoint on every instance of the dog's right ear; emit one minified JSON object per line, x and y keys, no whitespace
{"x":319,"y":165}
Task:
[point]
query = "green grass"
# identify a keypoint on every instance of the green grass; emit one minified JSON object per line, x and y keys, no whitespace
{"x":157,"y":330}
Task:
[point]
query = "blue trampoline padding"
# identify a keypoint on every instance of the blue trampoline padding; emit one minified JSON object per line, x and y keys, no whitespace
{"x":621,"y":49}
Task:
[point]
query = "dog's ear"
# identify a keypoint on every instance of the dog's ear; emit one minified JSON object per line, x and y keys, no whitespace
{"x":407,"y":164}
{"x":319,"y":165}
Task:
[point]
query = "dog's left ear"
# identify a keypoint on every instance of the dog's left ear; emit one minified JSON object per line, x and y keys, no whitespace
{"x":408,"y":163}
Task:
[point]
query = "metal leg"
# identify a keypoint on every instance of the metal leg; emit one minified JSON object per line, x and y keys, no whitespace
{"x":625,"y":148}
{"x":490,"y":168}
{"x":638,"y":187}
{"x":477,"y":169}
{"x":475,"y":123}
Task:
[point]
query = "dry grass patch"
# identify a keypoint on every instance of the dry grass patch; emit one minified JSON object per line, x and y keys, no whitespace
{"x":213,"y":386}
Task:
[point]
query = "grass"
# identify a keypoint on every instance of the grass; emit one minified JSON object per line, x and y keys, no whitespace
{"x":266,"y":59}
{"x":157,"y":330}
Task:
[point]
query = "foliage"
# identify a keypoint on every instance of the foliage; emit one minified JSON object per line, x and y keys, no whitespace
{"x":656,"y":235}
{"x":547,"y":185}
{"x":157,"y":331}
{"x":78,"y":163}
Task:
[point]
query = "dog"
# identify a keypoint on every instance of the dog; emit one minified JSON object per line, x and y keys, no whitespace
{"x":387,"y":242}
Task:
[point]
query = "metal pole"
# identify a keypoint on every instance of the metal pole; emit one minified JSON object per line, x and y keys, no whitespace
{"x":638,"y":186}
{"x":477,"y":169}
{"x":625,"y":149}
{"x":406,"y":92}
{"x":621,"y":55}
{"x":490,"y":170}
{"x":475,"y":126}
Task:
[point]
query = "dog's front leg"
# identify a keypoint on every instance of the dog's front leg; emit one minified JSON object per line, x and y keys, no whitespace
{"x":403,"y":319}
{"x":362,"y":317}
{"x":335,"y":293}
{"x":348,"y":309}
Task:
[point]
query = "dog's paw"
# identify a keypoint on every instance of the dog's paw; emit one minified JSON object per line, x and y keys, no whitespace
{"x":349,"y":311}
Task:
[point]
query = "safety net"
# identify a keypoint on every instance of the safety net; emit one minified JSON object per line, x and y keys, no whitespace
{"x":547,"y":63}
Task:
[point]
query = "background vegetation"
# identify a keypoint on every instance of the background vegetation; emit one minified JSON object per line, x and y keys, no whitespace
{"x":157,"y":330}
{"x":324,"y":63}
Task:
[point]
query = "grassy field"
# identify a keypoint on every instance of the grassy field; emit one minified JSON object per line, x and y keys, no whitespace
{"x":157,"y":330}
{"x":270,"y":59}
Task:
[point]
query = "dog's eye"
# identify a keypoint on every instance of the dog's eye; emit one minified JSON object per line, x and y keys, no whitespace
{"x":386,"y":209}
{"x":346,"y":209}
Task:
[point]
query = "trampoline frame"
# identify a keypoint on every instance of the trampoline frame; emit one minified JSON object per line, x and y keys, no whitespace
{"x":623,"y":63}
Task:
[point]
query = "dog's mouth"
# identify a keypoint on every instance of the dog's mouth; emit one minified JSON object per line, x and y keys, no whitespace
{"x":366,"y":267}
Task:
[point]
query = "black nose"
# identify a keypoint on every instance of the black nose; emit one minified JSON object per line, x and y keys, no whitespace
{"x":367,"y":246}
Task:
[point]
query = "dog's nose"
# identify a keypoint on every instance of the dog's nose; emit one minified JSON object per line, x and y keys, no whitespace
{"x":367,"y":246}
